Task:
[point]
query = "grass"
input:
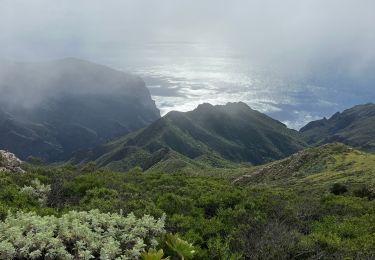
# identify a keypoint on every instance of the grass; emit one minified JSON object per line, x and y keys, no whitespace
{"x":322,"y":167}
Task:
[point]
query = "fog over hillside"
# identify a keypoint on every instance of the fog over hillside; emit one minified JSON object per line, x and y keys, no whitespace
{"x":54,"y":108}
{"x":187,"y":129}
{"x":29,"y":84}
{"x":295,"y":60}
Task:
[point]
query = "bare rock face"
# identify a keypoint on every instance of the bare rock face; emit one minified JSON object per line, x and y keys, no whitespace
{"x":10,"y":163}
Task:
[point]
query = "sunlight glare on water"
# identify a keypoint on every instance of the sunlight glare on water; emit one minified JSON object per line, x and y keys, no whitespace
{"x":180,"y":76}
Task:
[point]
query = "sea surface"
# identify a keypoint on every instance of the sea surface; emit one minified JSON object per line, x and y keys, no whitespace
{"x":182,"y":75}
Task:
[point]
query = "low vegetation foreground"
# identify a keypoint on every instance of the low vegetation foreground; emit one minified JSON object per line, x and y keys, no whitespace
{"x":315,"y":204}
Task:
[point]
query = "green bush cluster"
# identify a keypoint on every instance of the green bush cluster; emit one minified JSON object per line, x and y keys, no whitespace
{"x":220,"y":220}
{"x":338,"y":188}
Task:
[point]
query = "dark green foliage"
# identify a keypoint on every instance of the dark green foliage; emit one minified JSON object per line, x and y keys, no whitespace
{"x":171,"y":203}
{"x":100,"y":198}
{"x":35,"y":160}
{"x":365,"y":192}
{"x":290,"y":214}
{"x":208,"y":212}
{"x":341,"y":238}
{"x":338,"y":189}
{"x":89,"y":167}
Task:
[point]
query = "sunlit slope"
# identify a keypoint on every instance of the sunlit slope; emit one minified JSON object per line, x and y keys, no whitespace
{"x":317,"y":169}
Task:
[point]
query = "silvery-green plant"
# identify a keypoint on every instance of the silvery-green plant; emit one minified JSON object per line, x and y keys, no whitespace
{"x":78,"y":235}
{"x":37,"y":191}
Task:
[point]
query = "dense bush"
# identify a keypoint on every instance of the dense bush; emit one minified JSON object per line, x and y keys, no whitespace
{"x":341,"y":238}
{"x":78,"y":235}
{"x":365,"y":192}
{"x":221,"y":220}
{"x":338,"y":189}
{"x":37,"y":191}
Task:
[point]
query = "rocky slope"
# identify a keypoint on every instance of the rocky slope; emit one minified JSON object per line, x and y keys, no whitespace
{"x":9,"y":162}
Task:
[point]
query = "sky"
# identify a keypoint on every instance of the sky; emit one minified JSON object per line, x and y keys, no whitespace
{"x":297,"y":60}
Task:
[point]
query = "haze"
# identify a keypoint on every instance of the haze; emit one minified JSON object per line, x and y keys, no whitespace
{"x":295,"y":60}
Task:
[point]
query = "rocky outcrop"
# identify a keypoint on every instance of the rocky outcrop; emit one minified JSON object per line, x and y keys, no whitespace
{"x":10,"y":163}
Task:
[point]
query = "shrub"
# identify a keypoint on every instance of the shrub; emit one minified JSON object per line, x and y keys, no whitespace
{"x":11,"y":197}
{"x":175,"y":204}
{"x":89,"y":167}
{"x":338,"y":189}
{"x":36,"y":160}
{"x":3,"y":211}
{"x":106,"y":200}
{"x":37,"y":191}
{"x":135,"y":171}
{"x":341,"y":238}
{"x":78,"y":235}
{"x":365,"y":192}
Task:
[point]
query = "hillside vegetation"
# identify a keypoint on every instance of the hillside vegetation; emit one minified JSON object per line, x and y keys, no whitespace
{"x":218,"y":182}
{"x":318,"y":203}
{"x":216,"y":135}
{"x":354,"y":127}
{"x":52,"y":109}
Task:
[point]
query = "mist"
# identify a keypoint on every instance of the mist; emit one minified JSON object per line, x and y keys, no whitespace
{"x":270,"y":32}
{"x":324,"y":45}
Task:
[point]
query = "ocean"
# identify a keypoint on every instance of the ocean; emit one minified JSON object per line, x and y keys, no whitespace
{"x":182,"y":75}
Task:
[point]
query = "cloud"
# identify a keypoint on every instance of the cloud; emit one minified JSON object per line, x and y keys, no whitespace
{"x":296,"y":37}
{"x":226,"y":44}
{"x":269,"y":28}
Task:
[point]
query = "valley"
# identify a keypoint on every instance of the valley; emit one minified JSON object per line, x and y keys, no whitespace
{"x":217,"y":182}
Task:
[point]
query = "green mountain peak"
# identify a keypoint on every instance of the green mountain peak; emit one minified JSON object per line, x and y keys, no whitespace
{"x":233,"y":132}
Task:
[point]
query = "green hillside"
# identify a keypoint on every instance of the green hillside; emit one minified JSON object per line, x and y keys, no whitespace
{"x":317,"y":169}
{"x":354,"y":127}
{"x":216,"y":135}
{"x":219,"y":182}
{"x":51,"y":109}
{"x":315,"y":204}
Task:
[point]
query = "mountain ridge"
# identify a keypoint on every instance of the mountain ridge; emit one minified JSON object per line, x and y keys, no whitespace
{"x":354,"y":126}
{"x":234,"y":132}
{"x":51,"y":109}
